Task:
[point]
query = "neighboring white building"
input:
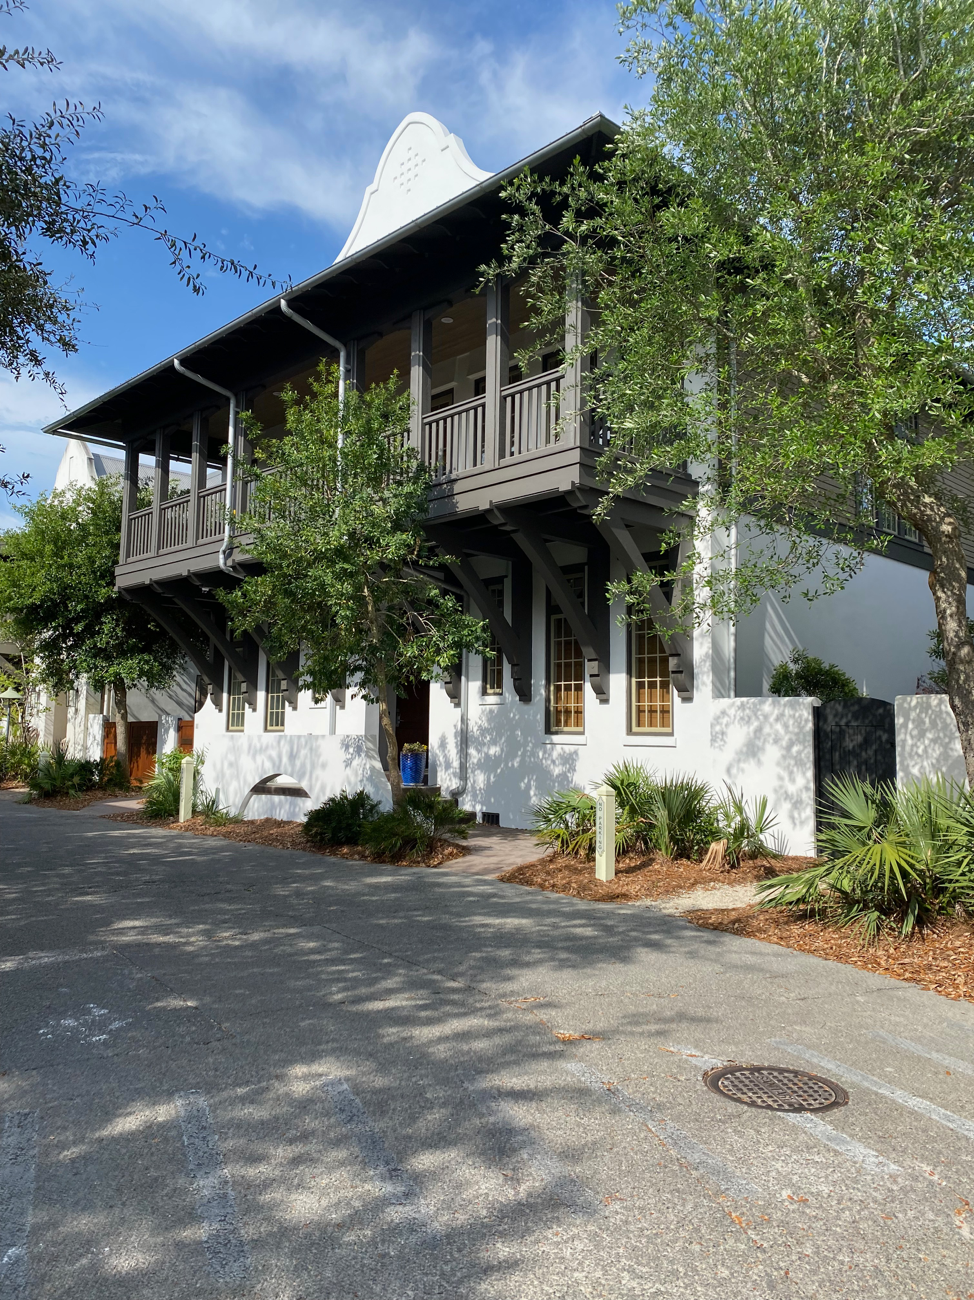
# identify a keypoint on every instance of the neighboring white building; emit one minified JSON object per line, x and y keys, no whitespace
{"x":571,"y":691}
{"x":79,"y":717}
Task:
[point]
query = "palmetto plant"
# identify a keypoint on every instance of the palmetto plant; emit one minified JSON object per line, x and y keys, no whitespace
{"x":746,"y":826}
{"x":891,"y":857}
{"x":675,"y":815}
{"x":565,"y":822}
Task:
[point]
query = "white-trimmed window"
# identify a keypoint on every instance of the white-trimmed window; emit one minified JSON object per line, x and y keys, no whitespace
{"x":276,"y":699}
{"x":566,"y":667}
{"x":492,"y":677}
{"x":650,"y":690}
{"x":237,"y":710}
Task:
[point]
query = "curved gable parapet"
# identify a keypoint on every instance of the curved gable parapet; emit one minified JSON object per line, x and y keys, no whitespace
{"x":423,"y":166}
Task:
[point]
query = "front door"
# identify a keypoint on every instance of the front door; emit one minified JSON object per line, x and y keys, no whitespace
{"x":413,"y":716}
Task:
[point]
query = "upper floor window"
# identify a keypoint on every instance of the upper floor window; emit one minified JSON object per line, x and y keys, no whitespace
{"x":566,"y":666}
{"x":237,"y":710}
{"x":492,"y":680}
{"x":877,"y":514}
{"x":276,"y":699}
{"x":441,"y":400}
{"x":650,"y":692}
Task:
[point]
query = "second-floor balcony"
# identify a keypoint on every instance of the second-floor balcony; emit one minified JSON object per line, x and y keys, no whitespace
{"x":454,"y":439}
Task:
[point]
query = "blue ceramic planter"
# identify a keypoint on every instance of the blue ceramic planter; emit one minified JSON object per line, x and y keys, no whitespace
{"x":412,"y":767}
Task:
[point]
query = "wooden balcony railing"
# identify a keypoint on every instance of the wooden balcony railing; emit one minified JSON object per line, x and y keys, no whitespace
{"x":212,"y":513}
{"x":530,"y":415}
{"x":454,"y":439}
{"x":140,"y":534}
{"x":174,"y":523}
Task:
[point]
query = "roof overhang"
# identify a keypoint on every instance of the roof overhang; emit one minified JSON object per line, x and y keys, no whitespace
{"x":343,"y":299}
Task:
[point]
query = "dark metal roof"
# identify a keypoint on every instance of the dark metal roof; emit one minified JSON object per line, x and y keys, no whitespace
{"x":373,"y":289}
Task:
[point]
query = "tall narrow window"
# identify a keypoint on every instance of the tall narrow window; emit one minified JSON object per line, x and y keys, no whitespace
{"x":492,"y":682}
{"x":650,"y":693}
{"x":276,"y":700}
{"x":566,"y":673}
{"x":238,"y":704}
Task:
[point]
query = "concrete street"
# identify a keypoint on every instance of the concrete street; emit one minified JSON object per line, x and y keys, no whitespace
{"x":235,"y":1071}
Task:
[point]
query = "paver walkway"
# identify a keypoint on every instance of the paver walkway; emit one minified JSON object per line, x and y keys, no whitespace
{"x":232,"y":1071}
{"x":494,"y":850}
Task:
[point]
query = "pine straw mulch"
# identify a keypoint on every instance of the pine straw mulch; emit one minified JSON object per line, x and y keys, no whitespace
{"x":641,"y":876}
{"x":274,"y":833}
{"x":941,"y":959}
{"x":72,"y":802}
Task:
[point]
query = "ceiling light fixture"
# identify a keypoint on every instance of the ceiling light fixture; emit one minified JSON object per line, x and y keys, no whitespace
{"x":446,"y":320}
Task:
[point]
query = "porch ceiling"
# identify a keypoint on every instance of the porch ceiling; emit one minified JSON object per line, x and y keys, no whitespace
{"x":427,"y":262}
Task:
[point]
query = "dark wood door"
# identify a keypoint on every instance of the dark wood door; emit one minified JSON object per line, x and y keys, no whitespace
{"x":413,"y":716}
{"x":853,"y":738}
{"x":143,"y":738}
{"x":187,"y":729}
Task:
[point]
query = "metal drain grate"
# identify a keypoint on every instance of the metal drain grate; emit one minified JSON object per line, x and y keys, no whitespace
{"x":775,"y":1087}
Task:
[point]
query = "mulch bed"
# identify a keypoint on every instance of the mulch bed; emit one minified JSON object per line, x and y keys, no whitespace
{"x":640,"y":876}
{"x":941,"y":960}
{"x":277,"y":834}
{"x":72,"y":802}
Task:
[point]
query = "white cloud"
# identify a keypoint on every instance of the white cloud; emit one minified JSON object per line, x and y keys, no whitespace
{"x":288,"y":105}
{"x":25,"y":408}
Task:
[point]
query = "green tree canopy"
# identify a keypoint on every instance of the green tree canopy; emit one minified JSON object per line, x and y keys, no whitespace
{"x":347,"y":573}
{"x":778,"y":252}
{"x":58,"y":595}
{"x":805,"y":674}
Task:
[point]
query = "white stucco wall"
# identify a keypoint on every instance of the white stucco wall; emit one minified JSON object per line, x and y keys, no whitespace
{"x":766,"y":747}
{"x":927,"y":743}
{"x":324,"y":748}
{"x":876,"y":629}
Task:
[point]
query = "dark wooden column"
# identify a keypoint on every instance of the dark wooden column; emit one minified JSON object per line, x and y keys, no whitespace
{"x":130,"y":496}
{"x":420,"y":374}
{"x":498,"y":365}
{"x":160,"y":484}
{"x":197,"y":476}
{"x":356,"y":365}
{"x":573,"y":410}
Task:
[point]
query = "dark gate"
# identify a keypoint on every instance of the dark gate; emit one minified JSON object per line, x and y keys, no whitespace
{"x":853,"y":738}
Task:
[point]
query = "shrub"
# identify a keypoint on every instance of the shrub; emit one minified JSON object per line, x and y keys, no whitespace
{"x":805,"y":674}
{"x":746,"y":828}
{"x":58,"y":775}
{"x":891,"y":858}
{"x":418,"y":824}
{"x":161,"y":790}
{"x":341,"y":818}
{"x":674,"y":815}
{"x":18,"y":759}
{"x":682,"y":821}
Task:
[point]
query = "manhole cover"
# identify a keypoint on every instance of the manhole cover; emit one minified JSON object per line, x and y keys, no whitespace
{"x":775,"y":1087}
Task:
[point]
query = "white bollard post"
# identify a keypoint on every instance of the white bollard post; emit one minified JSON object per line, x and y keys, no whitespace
{"x":187,"y":770}
{"x":605,"y":833}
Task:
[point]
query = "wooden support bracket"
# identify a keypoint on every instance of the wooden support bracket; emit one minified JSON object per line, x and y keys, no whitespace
{"x":210,"y":669}
{"x":594,"y":645}
{"x":678,"y":646}
{"x":245,"y":668}
{"x":471,"y":582}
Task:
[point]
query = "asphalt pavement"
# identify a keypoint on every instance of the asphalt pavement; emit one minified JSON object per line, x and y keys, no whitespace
{"x":234,"y":1071}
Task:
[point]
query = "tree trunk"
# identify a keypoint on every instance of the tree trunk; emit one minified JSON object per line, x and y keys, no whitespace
{"x":392,"y":744}
{"x":121,"y":725}
{"x":941,"y":531}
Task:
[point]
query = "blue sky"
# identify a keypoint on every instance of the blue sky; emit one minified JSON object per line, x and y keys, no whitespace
{"x":259,"y":123}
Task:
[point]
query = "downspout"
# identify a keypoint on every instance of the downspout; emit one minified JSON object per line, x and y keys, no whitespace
{"x":289,"y":311}
{"x":226,"y":563}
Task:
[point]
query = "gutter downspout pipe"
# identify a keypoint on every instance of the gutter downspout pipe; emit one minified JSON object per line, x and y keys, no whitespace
{"x":289,"y":311}
{"x":226,"y":563}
